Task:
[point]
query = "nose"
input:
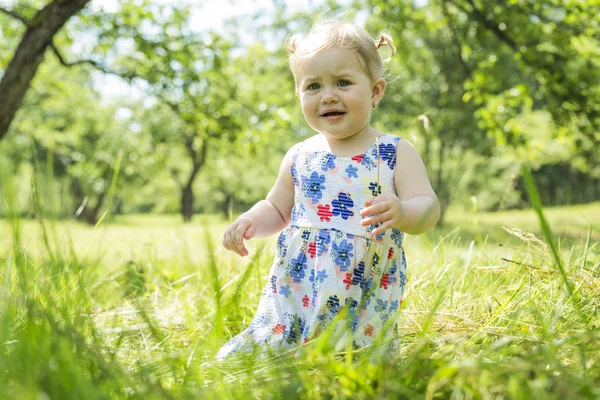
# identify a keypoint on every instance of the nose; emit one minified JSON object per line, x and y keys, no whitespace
{"x":329,"y":96}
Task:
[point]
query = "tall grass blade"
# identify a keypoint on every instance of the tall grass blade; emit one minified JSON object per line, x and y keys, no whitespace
{"x":536,"y":203}
{"x":113,"y":187}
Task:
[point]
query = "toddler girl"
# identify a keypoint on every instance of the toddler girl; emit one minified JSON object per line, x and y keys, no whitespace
{"x":343,"y":198}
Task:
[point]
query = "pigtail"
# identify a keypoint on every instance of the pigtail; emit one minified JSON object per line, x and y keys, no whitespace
{"x":386,"y":40}
{"x":290,"y":44}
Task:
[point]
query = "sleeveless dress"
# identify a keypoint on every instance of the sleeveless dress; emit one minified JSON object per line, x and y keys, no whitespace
{"x":326,"y":261}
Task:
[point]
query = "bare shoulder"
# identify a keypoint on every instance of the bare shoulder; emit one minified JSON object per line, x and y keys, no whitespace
{"x":410,"y":175}
{"x":404,"y":145}
{"x":289,"y":155}
{"x":407,"y":154}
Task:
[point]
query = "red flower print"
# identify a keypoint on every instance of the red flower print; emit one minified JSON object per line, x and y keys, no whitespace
{"x":390,"y":253}
{"x":369,"y":330}
{"x":358,"y":159}
{"x":324,"y":212}
{"x":312,"y":249}
{"x":305,"y":301}
{"x":385,"y":281}
{"x":348,"y":280}
{"x":278,"y":329}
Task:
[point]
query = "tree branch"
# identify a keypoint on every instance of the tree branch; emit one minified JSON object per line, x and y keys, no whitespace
{"x":457,"y":43}
{"x":127,"y":76}
{"x":15,"y":15}
{"x":29,"y":54}
{"x":490,"y":25}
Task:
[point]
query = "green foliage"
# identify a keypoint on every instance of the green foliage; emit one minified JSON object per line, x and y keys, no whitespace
{"x":75,"y":149}
{"x":479,"y":91}
{"x":139,"y":317}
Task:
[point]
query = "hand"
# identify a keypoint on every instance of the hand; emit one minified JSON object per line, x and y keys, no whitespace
{"x":388,"y":212}
{"x":233,"y":238}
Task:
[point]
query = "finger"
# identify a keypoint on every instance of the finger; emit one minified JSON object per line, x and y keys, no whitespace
{"x":231,"y":244}
{"x":234,"y":245}
{"x":381,"y":228}
{"x":377,"y":208}
{"x":250,"y":232}
{"x":225,"y":244}
{"x":225,"y":240}
{"x":377,"y":219}
{"x":239,"y":238}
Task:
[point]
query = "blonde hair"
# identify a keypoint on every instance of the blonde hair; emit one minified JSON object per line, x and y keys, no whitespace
{"x":335,"y":33}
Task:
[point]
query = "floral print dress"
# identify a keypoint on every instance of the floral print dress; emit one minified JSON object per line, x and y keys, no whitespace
{"x":326,"y":261}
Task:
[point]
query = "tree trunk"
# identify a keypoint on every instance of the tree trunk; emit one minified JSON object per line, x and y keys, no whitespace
{"x":187,"y":191}
{"x":29,"y":55}
{"x":187,"y":203}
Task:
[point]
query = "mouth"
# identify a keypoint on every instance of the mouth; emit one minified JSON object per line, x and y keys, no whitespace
{"x":332,"y":113}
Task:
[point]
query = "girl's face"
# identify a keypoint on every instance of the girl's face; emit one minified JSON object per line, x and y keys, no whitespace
{"x":336,"y":94}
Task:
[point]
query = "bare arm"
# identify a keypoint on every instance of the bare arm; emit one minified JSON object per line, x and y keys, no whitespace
{"x":267,"y":216}
{"x":415,"y":207}
{"x":421,"y":208}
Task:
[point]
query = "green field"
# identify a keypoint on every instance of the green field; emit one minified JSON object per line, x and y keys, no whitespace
{"x":137,"y":307}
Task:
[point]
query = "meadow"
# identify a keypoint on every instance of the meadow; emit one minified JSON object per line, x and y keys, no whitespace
{"x":138,"y":306}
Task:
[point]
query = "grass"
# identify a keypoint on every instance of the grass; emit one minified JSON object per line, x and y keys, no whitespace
{"x":137,"y":307}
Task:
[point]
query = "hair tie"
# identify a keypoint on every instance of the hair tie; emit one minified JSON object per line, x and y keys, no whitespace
{"x":381,"y":42}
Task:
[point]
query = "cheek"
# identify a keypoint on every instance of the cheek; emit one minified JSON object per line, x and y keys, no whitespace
{"x":306,"y":104}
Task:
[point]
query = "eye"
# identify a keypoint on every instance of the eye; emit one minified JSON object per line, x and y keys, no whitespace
{"x":313,"y":86}
{"x":343,"y":82}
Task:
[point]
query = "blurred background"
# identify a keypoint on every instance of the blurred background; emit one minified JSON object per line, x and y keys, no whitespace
{"x":123,"y":121}
{"x":187,"y":107}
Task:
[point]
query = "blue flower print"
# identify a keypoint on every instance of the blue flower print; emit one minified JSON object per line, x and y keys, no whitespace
{"x":312,"y":186}
{"x":397,"y":236}
{"x":298,"y":212}
{"x":374,"y":188}
{"x":294,"y":173}
{"x":387,"y":152}
{"x":273,"y":283}
{"x":328,"y":162}
{"x":368,"y":162}
{"x":402,"y":279}
{"x":320,"y":277}
{"x":297,"y":267}
{"x":351,"y":171}
{"x":323,"y":239}
{"x":296,"y":329}
{"x":393,"y":306}
{"x":343,"y":253}
{"x":305,"y":234}
{"x":280,"y":242}
{"x":281,"y":239}
{"x":381,"y":305}
{"x":351,"y":304}
{"x":358,"y":273}
{"x":370,"y":228}
{"x":285,"y":291}
{"x":342,"y":206}
{"x":333,"y":304}
{"x":392,"y":272}
{"x":352,"y":307}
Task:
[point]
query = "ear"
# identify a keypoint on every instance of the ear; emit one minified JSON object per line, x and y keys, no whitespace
{"x":378,"y":90}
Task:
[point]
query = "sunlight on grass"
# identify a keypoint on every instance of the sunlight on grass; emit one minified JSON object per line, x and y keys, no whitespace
{"x":138,"y":307}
